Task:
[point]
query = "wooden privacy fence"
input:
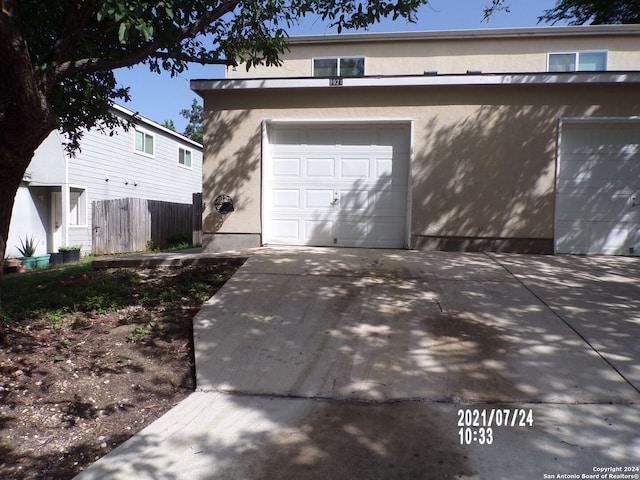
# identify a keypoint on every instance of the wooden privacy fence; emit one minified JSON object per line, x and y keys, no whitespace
{"x":127,"y":224}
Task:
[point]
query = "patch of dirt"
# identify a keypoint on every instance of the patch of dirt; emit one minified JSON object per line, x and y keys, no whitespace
{"x":73,"y":388}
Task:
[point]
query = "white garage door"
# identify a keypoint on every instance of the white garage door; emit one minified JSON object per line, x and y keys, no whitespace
{"x":598,"y":188}
{"x":336,"y":184}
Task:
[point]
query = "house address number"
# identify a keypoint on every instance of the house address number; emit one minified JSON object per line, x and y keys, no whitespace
{"x":335,"y":82}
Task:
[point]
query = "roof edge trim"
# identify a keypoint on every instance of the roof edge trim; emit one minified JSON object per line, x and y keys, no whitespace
{"x":487,"y":33}
{"x":156,"y":125}
{"x":418,"y":80}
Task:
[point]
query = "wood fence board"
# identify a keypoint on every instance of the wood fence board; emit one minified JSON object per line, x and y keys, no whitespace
{"x":126,"y":224}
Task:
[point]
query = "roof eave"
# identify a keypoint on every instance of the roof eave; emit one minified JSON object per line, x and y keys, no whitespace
{"x":418,"y":80}
{"x":151,"y":123}
{"x":487,"y":33}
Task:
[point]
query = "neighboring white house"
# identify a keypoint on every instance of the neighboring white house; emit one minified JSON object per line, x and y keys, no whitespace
{"x":53,"y":203}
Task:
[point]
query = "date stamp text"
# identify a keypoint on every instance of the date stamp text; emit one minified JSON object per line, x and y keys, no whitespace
{"x":476,"y":425}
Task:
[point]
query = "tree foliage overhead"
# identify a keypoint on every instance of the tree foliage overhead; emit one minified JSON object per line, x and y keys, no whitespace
{"x":595,"y":12}
{"x":70,"y":47}
{"x":581,"y":12}
{"x":57,"y":57}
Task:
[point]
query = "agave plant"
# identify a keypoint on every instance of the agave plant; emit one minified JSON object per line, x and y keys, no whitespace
{"x":28,"y":247}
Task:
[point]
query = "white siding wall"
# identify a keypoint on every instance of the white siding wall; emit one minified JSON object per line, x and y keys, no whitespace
{"x":131,"y":174}
{"x":31,"y":210}
{"x":30,"y":219}
{"x":102,"y":155}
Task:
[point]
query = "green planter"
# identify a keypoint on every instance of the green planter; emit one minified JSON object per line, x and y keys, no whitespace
{"x":30,"y":262}
{"x":42,"y":260}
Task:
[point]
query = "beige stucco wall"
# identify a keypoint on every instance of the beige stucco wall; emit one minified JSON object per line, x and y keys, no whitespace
{"x":484,"y":156}
{"x":509,"y":54}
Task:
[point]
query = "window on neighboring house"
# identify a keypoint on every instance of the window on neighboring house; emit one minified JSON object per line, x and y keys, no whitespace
{"x":593,"y":61}
{"x":144,"y":142}
{"x":184,"y":157}
{"x":338,"y":67}
{"x":77,"y":206}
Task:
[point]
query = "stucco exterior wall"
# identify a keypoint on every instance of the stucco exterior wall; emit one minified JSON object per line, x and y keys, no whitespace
{"x":448,"y":54}
{"x":484,"y":156}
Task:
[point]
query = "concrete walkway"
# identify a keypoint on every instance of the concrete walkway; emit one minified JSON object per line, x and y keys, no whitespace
{"x":366,"y":364}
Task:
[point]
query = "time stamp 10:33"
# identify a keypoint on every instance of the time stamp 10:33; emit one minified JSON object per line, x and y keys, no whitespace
{"x":477,"y":425}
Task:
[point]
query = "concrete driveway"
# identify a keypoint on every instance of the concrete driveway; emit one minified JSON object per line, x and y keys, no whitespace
{"x":386,"y":364}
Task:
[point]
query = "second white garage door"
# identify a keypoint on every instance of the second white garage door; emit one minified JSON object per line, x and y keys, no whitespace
{"x":598,"y":188}
{"x":336,"y":184}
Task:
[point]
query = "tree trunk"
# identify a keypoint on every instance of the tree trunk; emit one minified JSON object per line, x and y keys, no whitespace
{"x":12,"y":168}
{"x":26,"y":116}
{"x":11,"y":172}
{"x":26,"y":119}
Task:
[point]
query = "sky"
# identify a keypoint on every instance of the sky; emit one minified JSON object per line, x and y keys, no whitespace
{"x":160,"y":97}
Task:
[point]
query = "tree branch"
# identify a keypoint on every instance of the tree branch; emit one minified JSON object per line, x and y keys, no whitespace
{"x":192,"y":59}
{"x":151,"y":49}
{"x":78,"y":14}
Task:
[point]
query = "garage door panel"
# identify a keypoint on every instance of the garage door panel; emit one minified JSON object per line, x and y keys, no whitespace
{"x":384,"y":168}
{"x":286,"y":135}
{"x":286,"y":167}
{"x":609,"y":238}
{"x":318,"y":232}
{"x":320,"y":136}
{"x":387,"y":231}
{"x":597,"y":171}
{"x":396,"y":137}
{"x":286,"y":230}
{"x":321,"y":168}
{"x":347,"y":177}
{"x":353,"y":232}
{"x":594,"y":204}
{"x":388,"y":201}
{"x":286,"y":198}
{"x":354,"y":201}
{"x":598,"y":179}
{"x":355,"y":168}
{"x":318,"y":199}
{"x":571,"y":237}
{"x":355,"y":136}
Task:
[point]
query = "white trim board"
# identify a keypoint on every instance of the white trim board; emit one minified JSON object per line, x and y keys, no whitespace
{"x":570,"y":78}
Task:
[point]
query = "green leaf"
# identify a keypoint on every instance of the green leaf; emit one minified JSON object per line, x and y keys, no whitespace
{"x":122,"y":33}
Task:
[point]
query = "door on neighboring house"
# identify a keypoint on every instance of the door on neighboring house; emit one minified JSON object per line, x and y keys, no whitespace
{"x":55,"y":235}
{"x":598,"y":187}
{"x":342,"y":184}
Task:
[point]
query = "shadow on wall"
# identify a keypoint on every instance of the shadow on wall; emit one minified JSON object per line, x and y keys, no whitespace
{"x":490,"y":176}
{"x":484,"y":169}
{"x":486,"y":177}
{"x":232,"y":173}
{"x":488,"y":182}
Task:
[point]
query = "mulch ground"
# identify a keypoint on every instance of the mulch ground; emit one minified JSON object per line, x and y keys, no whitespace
{"x":74,"y":386}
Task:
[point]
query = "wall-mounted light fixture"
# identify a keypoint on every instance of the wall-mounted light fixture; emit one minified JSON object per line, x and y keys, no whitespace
{"x":223,"y":204}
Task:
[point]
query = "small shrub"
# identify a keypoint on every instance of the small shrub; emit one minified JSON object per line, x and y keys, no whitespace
{"x":57,"y":317}
{"x":6,"y":320}
{"x":151,"y":246}
{"x":27,"y":247}
{"x":179,"y":240}
{"x":138,"y":334}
